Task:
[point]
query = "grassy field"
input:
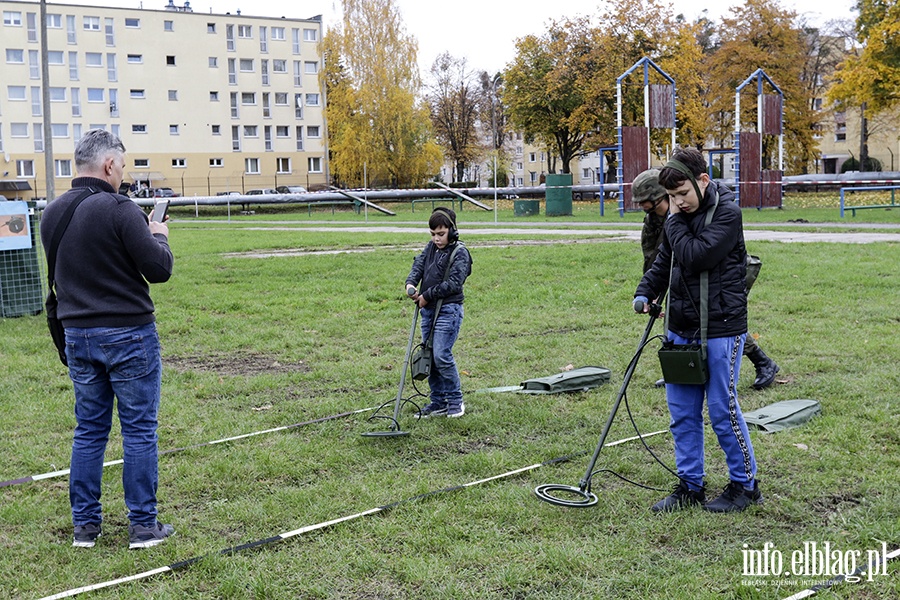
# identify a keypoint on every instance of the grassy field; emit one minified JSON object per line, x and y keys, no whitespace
{"x":252,"y":343}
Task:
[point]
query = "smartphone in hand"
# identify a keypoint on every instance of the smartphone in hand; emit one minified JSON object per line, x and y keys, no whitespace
{"x":159,"y":211}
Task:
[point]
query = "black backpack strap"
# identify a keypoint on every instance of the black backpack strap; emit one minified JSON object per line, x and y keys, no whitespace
{"x":60,"y":231}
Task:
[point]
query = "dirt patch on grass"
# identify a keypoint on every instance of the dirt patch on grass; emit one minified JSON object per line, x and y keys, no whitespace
{"x":238,"y":364}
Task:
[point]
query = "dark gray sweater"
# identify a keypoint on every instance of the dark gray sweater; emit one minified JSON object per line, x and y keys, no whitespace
{"x":106,"y":258}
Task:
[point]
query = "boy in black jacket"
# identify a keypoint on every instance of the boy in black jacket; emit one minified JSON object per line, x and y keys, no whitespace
{"x":690,"y":247}
{"x":428,"y":268}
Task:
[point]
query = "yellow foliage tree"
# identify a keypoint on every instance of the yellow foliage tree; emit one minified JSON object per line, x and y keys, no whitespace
{"x":377,"y":128}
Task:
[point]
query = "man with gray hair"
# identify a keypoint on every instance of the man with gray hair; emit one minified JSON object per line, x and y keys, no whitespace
{"x":107,"y":256}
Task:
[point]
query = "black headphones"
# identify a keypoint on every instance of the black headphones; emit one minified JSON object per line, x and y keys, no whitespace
{"x":453,"y":234}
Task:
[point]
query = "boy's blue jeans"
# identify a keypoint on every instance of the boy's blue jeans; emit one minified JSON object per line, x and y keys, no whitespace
{"x":444,"y":378}
{"x":108,"y":364}
{"x":686,"y":409}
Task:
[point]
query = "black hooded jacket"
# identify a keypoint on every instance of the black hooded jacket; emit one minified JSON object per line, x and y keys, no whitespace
{"x":717,"y":248}
{"x":428,"y":268}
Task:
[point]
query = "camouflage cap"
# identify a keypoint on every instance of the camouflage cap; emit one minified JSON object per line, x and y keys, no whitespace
{"x":646,"y":188}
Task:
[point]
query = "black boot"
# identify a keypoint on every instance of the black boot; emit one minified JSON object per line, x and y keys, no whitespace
{"x":765,"y":369}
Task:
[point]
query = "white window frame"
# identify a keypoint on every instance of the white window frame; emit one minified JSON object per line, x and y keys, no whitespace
{"x":179,"y":163}
{"x":62,"y":167}
{"x":216,"y":163}
{"x":90,"y":23}
{"x":139,"y":128}
{"x":315,"y":164}
{"x":251,"y":166}
{"x":25,"y":169}
{"x":132,"y":23}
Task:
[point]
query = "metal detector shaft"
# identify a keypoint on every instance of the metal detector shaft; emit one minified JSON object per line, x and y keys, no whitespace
{"x":409,"y":347}
{"x":586,"y":481}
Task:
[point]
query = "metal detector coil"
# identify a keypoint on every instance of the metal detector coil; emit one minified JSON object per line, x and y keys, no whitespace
{"x":581,"y":496}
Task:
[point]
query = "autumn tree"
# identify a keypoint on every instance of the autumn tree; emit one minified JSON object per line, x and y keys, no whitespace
{"x":375,"y":121}
{"x":761,"y":35}
{"x":454,"y":100}
{"x":545,"y":89}
{"x":869,"y":79}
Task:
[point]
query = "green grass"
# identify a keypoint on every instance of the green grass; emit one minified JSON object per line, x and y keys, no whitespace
{"x":256,"y":343}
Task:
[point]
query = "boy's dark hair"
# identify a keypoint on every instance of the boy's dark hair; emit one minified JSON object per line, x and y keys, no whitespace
{"x":670,"y":177}
{"x":442,"y":217}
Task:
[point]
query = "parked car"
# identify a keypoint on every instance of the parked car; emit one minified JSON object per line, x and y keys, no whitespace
{"x":228,"y":193}
{"x":291,"y":189}
{"x":164,"y":192}
{"x":261,"y":192}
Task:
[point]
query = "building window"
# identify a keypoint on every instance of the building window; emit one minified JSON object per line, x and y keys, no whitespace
{"x":213,"y":62}
{"x":282,"y":131}
{"x":251,"y":166}
{"x":267,"y":112}
{"x":137,"y":94}
{"x":93,"y":59}
{"x":76,"y":102}
{"x":16,"y":93}
{"x":264,"y":71}
{"x":173,"y":95}
{"x":283,"y":164}
{"x":59,"y":130}
{"x":57,"y":94}
{"x":25,"y":168}
{"x":142,"y":163}
{"x":214,"y":96}
{"x":71,"y":30}
{"x":234,"y":105}
{"x":312,"y":131}
{"x":12,"y":18}
{"x":279,"y":66}
{"x":245,"y":31}
{"x":312,"y":100}
{"x":232,"y":74}
{"x":111,"y":73}
{"x":298,"y":106}
{"x":138,"y":128}
{"x":55,"y":57}
{"x":15,"y":56}
{"x":281,"y":99}
{"x":310,"y":35}
{"x":113,"y":102}
{"x":76,"y":131}
{"x":278,"y":33}
{"x":235,"y":138}
{"x":179,"y":163}
{"x":267,"y":136}
{"x":531,"y":157}
{"x":298,"y":76}
{"x":110,"y":32}
{"x":63,"y":167}
{"x":216,"y":129}
{"x":91,"y":23}
{"x":215,"y":163}
{"x":295,"y":40}
{"x":248,"y":97}
{"x":251,"y":131}
{"x":299,"y":138}
{"x":73,"y":66}
{"x":38,"y":137}
{"x":18,"y":130}
{"x":135,"y":59}
{"x":170,"y":60}
{"x":36,"y":102}
{"x":54,"y":21}
{"x":315,"y":164}
{"x":229,"y":38}
{"x":132,"y":23}
{"x":263,"y":42}
{"x":246,"y":65}
{"x":168,"y":26}
{"x":173,"y":130}
{"x":34,"y":65}
{"x":210,"y":28}
{"x":310,"y":67}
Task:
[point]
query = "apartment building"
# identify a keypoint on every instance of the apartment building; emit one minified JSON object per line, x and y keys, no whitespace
{"x":204,"y":103}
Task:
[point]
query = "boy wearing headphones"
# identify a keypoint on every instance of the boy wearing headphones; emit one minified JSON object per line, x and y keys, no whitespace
{"x":704,"y":233}
{"x":429,"y":268}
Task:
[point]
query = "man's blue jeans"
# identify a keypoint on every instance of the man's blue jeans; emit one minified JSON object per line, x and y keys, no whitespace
{"x":444,"y":378}
{"x":121,"y":363}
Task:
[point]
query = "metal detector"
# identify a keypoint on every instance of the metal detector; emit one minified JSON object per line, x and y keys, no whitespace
{"x":395,"y":431}
{"x":581,"y":496}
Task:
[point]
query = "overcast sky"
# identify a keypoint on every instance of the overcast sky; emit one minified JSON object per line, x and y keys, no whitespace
{"x":482,"y":31}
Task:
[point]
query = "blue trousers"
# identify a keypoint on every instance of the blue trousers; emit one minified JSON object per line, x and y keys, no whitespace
{"x":108,"y":364}
{"x":443,"y":381}
{"x":686,"y":409}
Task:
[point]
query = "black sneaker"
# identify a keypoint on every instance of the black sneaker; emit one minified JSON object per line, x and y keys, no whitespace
{"x":141,"y":536}
{"x":86,"y":535}
{"x":682,"y":497}
{"x":735,"y":498}
{"x":432,"y":409}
